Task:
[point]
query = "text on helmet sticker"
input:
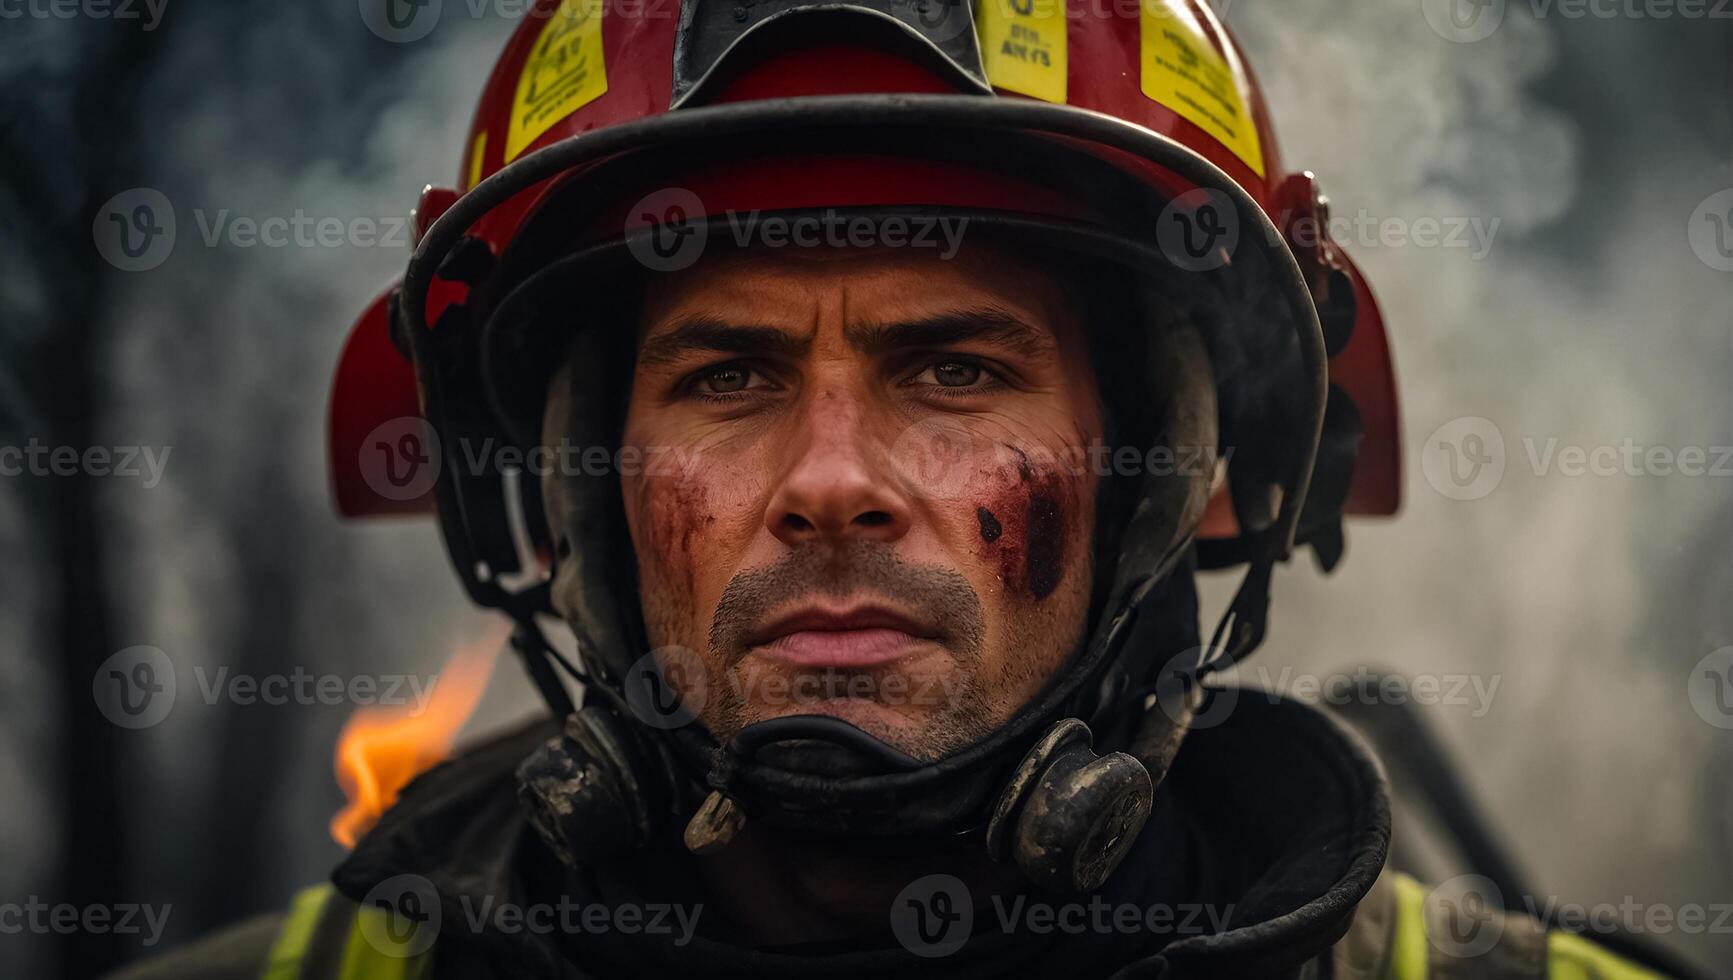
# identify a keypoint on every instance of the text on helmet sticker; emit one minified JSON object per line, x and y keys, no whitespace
{"x":1183,"y":71}
{"x":562,"y":74}
{"x":1023,"y":46}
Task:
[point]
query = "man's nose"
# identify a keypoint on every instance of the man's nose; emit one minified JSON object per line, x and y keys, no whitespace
{"x":840,"y":486}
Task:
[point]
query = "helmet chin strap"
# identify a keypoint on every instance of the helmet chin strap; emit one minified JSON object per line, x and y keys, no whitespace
{"x":1067,"y":815}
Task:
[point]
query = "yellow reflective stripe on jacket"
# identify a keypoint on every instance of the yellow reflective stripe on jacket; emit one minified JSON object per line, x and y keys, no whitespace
{"x":1575,"y":958}
{"x":291,"y":945}
{"x":367,"y":952}
{"x":1567,"y":956}
{"x":1408,"y":950}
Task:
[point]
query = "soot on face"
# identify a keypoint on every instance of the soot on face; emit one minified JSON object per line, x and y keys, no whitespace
{"x":1026,"y":527}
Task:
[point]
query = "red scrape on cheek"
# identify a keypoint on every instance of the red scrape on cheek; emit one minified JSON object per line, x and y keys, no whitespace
{"x":678,"y":509}
{"x":1025,"y":527}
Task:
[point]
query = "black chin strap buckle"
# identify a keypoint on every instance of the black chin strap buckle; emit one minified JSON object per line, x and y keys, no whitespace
{"x":1069,"y":816}
{"x":830,"y":743}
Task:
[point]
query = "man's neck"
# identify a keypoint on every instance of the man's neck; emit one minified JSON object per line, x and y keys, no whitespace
{"x":782,"y":889}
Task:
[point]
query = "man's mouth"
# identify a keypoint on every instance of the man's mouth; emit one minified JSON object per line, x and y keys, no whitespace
{"x":853,"y":637}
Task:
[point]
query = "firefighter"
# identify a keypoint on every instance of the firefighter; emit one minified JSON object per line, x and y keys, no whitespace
{"x":932,"y":349}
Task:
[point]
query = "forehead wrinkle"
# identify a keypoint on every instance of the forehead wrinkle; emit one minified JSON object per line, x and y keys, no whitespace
{"x":987,"y":322}
{"x":711,"y":333}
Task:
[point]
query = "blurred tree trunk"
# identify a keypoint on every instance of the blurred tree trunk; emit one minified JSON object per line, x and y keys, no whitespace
{"x":68,"y":139}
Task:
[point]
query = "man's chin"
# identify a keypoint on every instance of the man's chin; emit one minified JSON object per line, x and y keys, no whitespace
{"x":918,"y":734}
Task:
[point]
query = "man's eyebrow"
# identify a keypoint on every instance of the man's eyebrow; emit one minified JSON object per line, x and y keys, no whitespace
{"x":989,"y":324}
{"x":706,"y":333}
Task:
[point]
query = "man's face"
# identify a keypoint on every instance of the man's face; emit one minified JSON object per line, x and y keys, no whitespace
{"x":876,"y":508}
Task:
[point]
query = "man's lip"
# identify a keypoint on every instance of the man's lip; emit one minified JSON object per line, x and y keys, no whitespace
{"x":861,"y":636}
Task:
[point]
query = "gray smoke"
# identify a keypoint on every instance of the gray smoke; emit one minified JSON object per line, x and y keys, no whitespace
{"x":1590,"y":322}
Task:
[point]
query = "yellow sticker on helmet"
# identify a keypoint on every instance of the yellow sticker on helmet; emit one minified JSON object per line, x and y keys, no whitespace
{"x":562,"y":74}
{"x":1023,"y":46}
{"x":1183,"y":71}
{"x":477,"y":155}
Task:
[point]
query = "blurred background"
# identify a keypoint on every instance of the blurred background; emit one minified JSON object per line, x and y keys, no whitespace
{"x":1588,"y":302}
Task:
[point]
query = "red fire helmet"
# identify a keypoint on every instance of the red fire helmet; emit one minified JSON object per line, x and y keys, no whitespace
{"x":1033,"y":111}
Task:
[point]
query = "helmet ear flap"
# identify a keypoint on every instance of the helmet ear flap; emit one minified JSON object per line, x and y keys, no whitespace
{"x":1174,"y":489}
{"x":593,"y":568}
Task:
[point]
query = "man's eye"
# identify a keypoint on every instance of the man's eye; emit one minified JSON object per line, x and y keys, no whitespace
{"x":952,"y":373}
{"x":722,"y":380}
{"x":956,"y":374}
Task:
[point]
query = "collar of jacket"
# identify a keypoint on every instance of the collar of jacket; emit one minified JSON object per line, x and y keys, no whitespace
{"x":1288,"y":812}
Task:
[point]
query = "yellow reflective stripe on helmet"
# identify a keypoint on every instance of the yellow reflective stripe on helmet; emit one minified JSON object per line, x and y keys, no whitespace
{"x":1572,"y":957}
{"x":287,"y":952}
{"x":1408,"y":949}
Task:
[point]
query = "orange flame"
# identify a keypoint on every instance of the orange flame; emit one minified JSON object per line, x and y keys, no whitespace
{"x":382,"y":748}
